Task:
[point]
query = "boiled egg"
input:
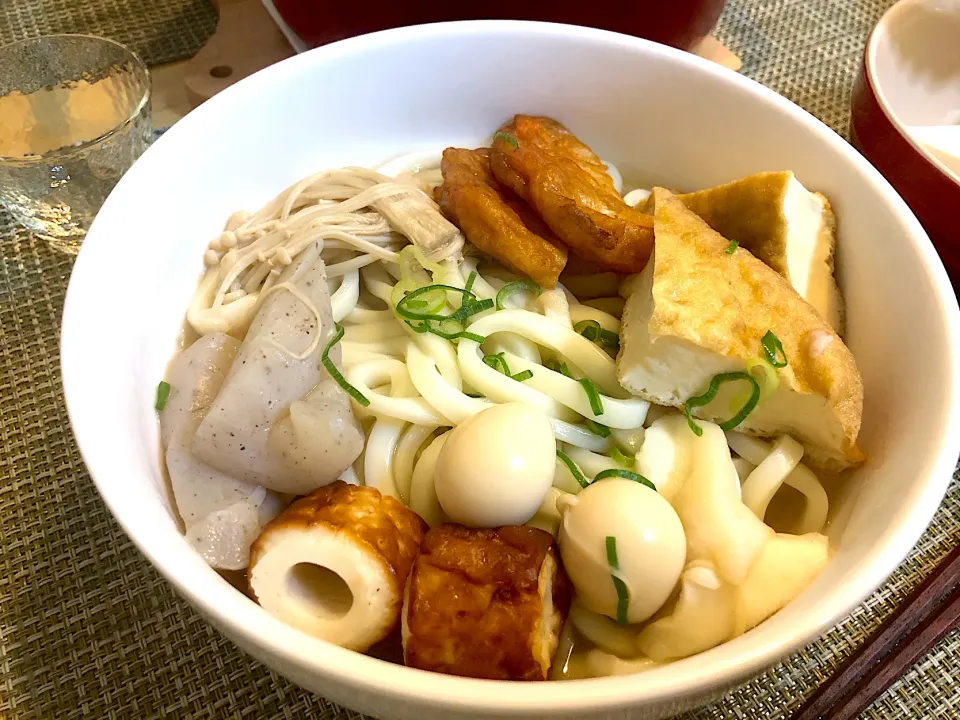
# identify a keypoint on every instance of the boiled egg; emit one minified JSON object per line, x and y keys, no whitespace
{"x":649,"y":540}
{"x":496,"y":467}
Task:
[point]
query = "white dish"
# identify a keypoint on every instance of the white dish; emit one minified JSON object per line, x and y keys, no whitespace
{"x":662,"y":116}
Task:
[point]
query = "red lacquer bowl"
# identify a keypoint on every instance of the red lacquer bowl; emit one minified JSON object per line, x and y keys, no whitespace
{"x":910,"y":78}
{"x":680,"y":23}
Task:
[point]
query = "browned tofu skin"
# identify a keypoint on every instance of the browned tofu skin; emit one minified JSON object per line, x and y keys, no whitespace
{"x":568,"y":185}
{"x":495,"y":220}
{"x":475,"y":604}
{"x":389,"y":530}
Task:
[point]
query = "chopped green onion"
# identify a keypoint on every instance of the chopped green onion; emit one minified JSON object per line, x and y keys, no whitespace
{"x":592,"y":331}
{"x":335,"y":373}
{"x":422,"y":328}
{"x":596,"y":428}
{"x":468,"y":309}
{"x":620,"y":459}
{"x":510,"y":139}
{"x":517,"y":286}
{"x":559,"y":367}
{"x":610,"y":339}
{"x":471,"y":279}
{"x":572,"y":467}
{"x":768,"y":379}
{"x":498,"y":362}
{"x":456,"y":335}
{"x":406,"y":305}
{"x":417,"y":303}
{"x":593,"y":395}
{"x":732,"y":247}
{"x":426,"y":327}
{"x":429,"y":265}
{"x":711,"y":393}
{"x":403,"y":306}
{"x":623,"y":597}
{"x":163,"y":392}
{"x":473,"y":395}
{"x":771,"y":346}
{"x":626,"y":475}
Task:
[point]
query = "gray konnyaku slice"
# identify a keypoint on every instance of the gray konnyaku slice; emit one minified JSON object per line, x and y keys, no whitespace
{"x":222,"y":515}
{"x":280,"y":420}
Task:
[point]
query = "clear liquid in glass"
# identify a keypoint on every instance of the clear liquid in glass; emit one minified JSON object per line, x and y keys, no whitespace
{"x":74,"y":115}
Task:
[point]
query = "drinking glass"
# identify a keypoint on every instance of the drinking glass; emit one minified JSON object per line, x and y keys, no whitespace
{"x":74,"y":115}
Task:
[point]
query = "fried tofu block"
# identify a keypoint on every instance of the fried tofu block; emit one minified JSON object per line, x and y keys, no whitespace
{"x":569,"y":186}
{"x":698,"y":311}
{"x":782,"y":223}
{"x":495,"y":220}
{"x":334,"y":564}
{"x":485,"y":603}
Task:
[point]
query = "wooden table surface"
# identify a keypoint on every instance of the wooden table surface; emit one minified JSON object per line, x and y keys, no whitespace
{"x":170,"y":99}
{"x":246,"y":40}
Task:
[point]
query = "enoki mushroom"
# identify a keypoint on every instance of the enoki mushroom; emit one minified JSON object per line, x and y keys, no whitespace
{"x":356,"y":210}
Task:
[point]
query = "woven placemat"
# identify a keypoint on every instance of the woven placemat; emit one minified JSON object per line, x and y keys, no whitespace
{"x":807,"y":50}
{"x":159,"y":31}
{"x":89,"y":630}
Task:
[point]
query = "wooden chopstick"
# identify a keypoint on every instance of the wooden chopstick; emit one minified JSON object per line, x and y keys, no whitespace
{"x":928,"y":613}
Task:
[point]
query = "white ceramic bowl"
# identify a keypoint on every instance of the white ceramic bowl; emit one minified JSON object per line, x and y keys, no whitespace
{"x":661,"y":115}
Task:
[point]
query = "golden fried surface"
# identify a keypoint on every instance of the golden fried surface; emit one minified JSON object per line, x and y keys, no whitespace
{"x":389,"y":529}
{"x":724,"y":304}
{"x":495,"y":220}
{"x":756,"y":212}
{"x":475,"y":603}
{"x":568,"y":185}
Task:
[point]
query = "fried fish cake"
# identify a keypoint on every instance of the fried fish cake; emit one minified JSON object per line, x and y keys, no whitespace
{"x":517,"y":144}
{"x":495,"y":220}
{"x":485,"y":603}
{"x":570,"y":188}
{"x":334,"y":563}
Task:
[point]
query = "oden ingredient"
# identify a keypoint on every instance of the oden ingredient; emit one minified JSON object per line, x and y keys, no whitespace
{"x":496,"y":467}
{"x":279,"y":419}
{"x":485,"y":603}
{"x":496,"y":220}
{"x":573,"y":192}
{"x":334,"y":564}
{"x":222,"y":515}
{"x":781,"y":222}
{"x":649,"y":545}
{"x":701,"y":308}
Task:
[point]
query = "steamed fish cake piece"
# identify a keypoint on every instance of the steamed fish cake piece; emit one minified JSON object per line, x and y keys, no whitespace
{"x":571,"y":189}
{"x":280,"y":420}
{"x":782,"y":223}
{"x":495,"y":220}
{"x":697,"y":312}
